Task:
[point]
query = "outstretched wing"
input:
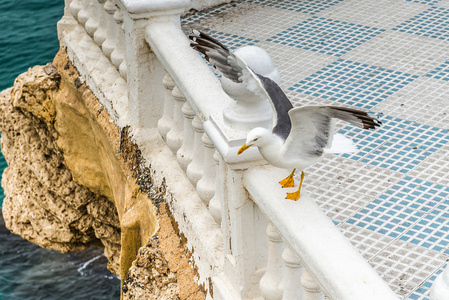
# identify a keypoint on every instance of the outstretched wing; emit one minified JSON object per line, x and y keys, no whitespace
{"x":312,"y":129}
{"x":234,"y":68}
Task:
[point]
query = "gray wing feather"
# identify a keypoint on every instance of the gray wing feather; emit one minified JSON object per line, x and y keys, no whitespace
{"x":312,"y":127}
{"x":234,"y":68}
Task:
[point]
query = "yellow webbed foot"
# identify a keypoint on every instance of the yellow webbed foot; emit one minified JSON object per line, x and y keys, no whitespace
{"x":293,"y":196}
{"x":289,"y":181}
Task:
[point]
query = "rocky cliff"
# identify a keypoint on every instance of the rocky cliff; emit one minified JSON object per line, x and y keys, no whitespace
{"x":76,"y":180}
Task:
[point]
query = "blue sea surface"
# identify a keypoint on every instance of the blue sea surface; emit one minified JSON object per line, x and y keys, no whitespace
{"x":27,"y":38}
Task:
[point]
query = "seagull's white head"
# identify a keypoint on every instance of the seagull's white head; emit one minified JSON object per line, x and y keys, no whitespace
{"x":257,"y":137}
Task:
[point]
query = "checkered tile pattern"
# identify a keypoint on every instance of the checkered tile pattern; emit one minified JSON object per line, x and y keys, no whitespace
{"x":389,"y":57}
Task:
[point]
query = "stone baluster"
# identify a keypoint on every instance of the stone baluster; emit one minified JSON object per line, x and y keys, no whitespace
{"x":174,"y":136}
{"x":123,"y":69}
{"x":312,"y":290}
{"x":206,"y":185}
{"x":292,"y":276}
{"x":166,"y":122}
{"x":109,"y":43}
{"x":74,"y":9}
{"x":98,"y":72}
{"x":110,"y":84}
{"x":117,"y":55}
{"x":120,"y":99}
{"x":440,"y":287}
{"x":215,"y":202}
{"x":185,"y":153}
{"x":84,"y":14}
{"x":93,"y":56}
{"x":100,"y":33}
{"x":195,"y":168}
{"x":85,"y":45}
{"x":94,"y":17}
{"x":271,"y":283}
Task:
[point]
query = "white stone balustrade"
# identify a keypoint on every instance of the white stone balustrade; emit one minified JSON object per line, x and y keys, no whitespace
{"x":138,"y":62}
{"x":166,"y":122}
{"x":206,"y":185}
{"x":292,"y":274}
{"x":117,"y":54}
{"x":94,"y":17}
{"x":108,"y":45}
{"x":174,"y":136}
{"x":195,"y":168}
{"x":311,"y":288}
{"x":101,"y":32}
{"x":185,"y":153}
{"x":215,"y":202}
{"x":272,"y":284}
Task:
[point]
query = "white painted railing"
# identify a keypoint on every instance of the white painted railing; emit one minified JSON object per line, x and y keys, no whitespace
{"x":251,"y":242}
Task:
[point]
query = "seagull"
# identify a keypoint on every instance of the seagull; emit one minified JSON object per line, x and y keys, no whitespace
{"x":300,"y":136}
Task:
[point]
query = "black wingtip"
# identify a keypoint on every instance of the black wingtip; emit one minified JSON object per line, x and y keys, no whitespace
{"x":368,"y":122}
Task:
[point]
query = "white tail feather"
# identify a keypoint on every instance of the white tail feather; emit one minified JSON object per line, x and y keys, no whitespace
{"x":341,"y":144}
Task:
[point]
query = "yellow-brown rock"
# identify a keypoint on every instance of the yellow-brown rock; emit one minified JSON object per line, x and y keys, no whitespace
{"x":76,"y":180}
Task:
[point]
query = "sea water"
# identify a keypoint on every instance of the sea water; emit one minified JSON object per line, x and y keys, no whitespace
{"x":28,"y":38}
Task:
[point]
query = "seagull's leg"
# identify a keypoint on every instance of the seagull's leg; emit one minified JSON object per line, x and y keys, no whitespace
{"x":295,"y":196}
{"x":289,"y":181}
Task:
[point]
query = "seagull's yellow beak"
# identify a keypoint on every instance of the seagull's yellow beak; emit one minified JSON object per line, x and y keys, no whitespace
{"x":243,"y":148}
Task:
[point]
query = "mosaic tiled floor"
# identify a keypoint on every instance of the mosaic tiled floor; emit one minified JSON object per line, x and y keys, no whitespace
{"x":390,"y":57}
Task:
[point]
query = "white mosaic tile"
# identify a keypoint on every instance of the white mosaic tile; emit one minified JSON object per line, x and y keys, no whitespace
{"x":408,"y":53}
{"x":325,"y":171}
{"x":433,"y":23}
{"x":405,"y":266}
{"x":354,"y":83}
{"x":443,"y":3}
{"x":253,"y":21}
{"x":423,"y":101}
{"x":295,"y":64}
{"x":366,"y":179}
{"x":434,"y":168}
{"x":367,"y":242}
{"x":384,"y":14}
{"x":338,"y":203}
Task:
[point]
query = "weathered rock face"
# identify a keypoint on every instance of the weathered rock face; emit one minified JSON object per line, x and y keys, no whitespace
{"x":75,"y":180}
{"x":43,"y":203}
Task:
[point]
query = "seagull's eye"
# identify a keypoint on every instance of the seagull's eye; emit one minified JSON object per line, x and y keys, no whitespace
{"x":256,"y":139}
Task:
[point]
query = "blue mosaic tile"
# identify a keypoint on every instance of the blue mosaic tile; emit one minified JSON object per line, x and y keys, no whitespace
{"x":433,"y":22}
{"x":422,"y":292}
{"x":304,"y":6}
{"x":353,"y":83}
{"x":428,"y":2}
{"x":326,"y":36}
{"x":231,"y":41}
{"x":431,"y":232}
{"x":403,"y":211}
{"x":398,"y":145}
{"x":440,"y":72}
{"x":385,"y":217}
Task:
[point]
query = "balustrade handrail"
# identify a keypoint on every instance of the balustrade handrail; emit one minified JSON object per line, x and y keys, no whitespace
{"x":191,"y":75}
{"x":199,"y":85}
{"x":340,"y":270}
